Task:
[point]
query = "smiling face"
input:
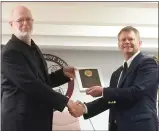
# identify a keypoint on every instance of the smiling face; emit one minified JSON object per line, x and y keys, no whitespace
{"x":21,"y":22}
{"x":129,"y":43}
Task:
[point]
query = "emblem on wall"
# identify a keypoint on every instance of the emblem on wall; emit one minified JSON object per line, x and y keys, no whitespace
{"x":55,"y":63}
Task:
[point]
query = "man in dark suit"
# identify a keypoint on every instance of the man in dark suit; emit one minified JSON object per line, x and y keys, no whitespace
{"x":28,"y":99}
{"x":131,"y":96}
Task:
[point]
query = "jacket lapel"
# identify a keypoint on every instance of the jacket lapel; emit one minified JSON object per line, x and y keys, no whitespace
{"x":132,"y":66}
{"x":43,"y":61}
{"x":26,"y":50}
{"x":115,"y":78}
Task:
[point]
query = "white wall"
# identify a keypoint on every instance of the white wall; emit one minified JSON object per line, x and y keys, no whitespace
{"x":86,"y":24}
{"x":106,"y":61}
{"x":89,"y":13}
{"x":85,"y":43}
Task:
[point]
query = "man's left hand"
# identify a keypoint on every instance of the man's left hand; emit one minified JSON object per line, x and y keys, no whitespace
{"x":95,"y":91}
{"x":69,"y":71}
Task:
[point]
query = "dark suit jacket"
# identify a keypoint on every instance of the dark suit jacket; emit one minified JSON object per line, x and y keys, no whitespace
{"x":28,"y":99}
{"x":133,"y":104}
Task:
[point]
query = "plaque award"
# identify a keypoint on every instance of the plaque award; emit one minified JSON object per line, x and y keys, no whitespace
{"x":88,"y":77}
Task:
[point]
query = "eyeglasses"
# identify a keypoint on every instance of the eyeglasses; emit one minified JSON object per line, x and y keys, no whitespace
{"x":21,"y":21}
{"x":129,"y":39}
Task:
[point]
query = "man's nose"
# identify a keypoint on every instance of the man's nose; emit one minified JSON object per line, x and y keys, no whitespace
{"x":127,"y":41}
{"x":25,"y":22}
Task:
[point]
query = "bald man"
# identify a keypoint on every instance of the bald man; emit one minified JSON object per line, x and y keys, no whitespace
{"x":28,"y":100}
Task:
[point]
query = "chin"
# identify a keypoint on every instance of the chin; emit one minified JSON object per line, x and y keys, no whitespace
{"x":128,"y":50}
{"x":24,"y":34}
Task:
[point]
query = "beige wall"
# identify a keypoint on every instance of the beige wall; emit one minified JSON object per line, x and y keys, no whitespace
{"x":77,"y":25}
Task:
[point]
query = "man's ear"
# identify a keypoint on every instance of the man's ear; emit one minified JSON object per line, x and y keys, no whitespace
{"x":140,"y":42}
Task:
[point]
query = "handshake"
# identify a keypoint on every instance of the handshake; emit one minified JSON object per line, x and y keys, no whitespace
{"x":76,"y":109}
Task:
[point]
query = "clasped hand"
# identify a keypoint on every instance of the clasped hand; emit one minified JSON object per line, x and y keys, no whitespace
{"x":76,"y":109}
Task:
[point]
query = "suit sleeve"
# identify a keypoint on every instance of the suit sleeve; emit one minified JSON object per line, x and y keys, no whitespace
{"x":16,"y":69}
{"x":96,"y":107}
{"x":99,"y":105}
{"x":57,"y":78}
{"x":147,"y":77}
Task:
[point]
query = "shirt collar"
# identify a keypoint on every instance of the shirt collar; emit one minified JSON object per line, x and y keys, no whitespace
{"x":131,"y":59}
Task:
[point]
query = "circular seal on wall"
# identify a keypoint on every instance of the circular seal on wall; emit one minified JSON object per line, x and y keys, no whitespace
{"x":55,"y":63}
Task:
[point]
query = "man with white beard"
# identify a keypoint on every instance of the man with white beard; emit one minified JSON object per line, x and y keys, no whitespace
{"x":28,"y":100}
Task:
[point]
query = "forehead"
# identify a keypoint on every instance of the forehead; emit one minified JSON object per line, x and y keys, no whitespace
{"x":18,"y":14}
{"x":126,"y":34}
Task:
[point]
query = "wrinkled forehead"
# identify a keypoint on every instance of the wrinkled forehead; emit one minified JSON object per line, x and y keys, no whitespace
{"x":21,"y":14}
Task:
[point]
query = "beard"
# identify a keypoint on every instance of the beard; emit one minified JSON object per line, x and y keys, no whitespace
{"x":25,"y":36}
{"x":22,"y":34}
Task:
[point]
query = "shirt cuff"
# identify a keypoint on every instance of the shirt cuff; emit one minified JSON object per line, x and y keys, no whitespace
{"x":85,"y":109}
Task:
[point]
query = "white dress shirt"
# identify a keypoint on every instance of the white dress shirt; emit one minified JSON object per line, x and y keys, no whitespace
{"x":128,"y":63}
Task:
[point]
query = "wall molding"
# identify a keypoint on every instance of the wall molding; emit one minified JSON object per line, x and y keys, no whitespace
{"x":84,"y":43}
{"x":83,"y":30}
